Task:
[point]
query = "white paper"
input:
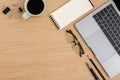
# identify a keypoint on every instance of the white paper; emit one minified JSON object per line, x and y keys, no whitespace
{"x":70,"y":12}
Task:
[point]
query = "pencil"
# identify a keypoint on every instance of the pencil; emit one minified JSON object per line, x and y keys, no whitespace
{"x":92,"y":71}
{"x":96,"y":68}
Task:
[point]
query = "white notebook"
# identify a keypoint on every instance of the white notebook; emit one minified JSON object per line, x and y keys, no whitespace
{"x":70,"y":12}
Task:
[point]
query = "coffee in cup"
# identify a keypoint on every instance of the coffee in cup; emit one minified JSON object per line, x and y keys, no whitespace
{"x":33,"y":8}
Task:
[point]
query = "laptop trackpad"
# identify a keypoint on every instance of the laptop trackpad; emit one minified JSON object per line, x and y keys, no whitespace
{"x":112,"y":65}
{"x":100,"y":46}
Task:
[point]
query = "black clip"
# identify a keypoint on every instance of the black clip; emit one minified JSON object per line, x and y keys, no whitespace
{"x":6,"y":10}
{"x":20,"y":9}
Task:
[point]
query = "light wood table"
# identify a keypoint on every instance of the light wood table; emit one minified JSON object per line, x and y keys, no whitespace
{"x":35,"y":49}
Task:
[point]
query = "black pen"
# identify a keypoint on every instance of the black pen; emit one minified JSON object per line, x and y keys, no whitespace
{"x":92,"y":71}
{"x":96,"y":68}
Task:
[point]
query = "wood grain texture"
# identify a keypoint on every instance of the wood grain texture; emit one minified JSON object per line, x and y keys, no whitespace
{"x":35,"y":49}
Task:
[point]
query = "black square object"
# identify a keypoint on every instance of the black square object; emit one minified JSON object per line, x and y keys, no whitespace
{"x":117,"y":2}
{"x":6,"y":10}
{"x":20,"y":9}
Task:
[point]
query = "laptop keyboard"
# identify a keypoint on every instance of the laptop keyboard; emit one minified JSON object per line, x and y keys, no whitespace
{"x":109,"y":21}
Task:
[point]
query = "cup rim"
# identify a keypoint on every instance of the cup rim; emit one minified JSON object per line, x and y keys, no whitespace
{"x":26,"y":10}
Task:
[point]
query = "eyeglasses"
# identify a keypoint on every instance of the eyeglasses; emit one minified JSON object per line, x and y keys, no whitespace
{"x":76,"y":44}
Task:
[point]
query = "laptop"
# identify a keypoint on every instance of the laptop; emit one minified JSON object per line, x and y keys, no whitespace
{"x":101,"y":32}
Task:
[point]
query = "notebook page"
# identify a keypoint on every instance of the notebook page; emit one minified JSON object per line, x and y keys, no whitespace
{"x":70,"y":11}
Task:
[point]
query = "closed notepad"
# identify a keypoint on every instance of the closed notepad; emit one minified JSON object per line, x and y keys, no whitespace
{"x":70,"y":11}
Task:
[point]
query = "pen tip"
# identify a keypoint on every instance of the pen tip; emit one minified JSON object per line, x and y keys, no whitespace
{"x":88,"y":65}
{"x":88,"y":56}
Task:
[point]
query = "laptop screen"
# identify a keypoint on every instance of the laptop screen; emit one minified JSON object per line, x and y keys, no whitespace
{"x":117,"y":2}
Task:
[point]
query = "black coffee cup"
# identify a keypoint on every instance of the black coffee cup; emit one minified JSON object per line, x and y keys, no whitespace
{"x":33,"y":8}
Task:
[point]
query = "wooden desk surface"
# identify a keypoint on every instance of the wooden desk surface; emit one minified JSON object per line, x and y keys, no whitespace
{"x":35,"y":49}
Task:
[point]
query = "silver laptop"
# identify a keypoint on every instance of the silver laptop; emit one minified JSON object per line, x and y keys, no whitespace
{"x":101,"y":32}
